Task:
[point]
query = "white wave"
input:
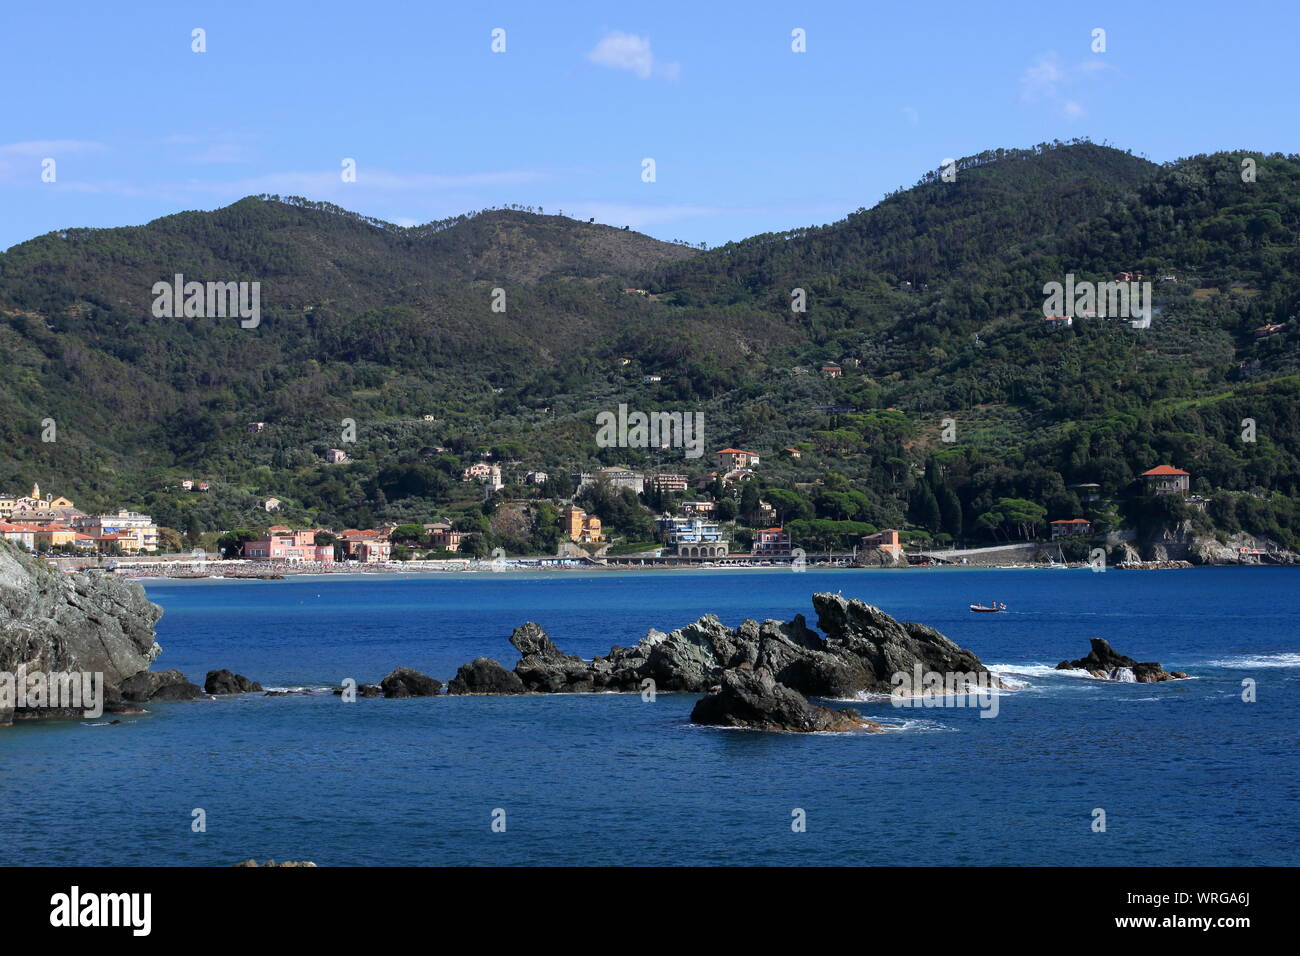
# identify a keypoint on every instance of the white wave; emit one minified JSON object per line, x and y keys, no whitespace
{"x":1034,"y":670}
{"x":913,"y":724}
{"x":1252,"y":661}
{"x":1124,"y":675}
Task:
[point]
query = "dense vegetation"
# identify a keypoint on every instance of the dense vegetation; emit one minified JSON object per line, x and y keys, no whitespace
{"x":930,"y":300}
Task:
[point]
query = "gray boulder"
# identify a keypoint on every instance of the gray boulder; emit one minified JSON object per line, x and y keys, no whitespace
{"x":754,"y":699}
{"x":485,"y":676}
{"x":224,"y":682}
{"x":158,"y":685}
{"x":405,"y":682}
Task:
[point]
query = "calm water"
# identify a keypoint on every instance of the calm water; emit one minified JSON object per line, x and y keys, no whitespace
{"x":1186,"y":772}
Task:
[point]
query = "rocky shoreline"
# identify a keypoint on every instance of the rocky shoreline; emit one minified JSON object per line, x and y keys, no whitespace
{"x":756,"y":675}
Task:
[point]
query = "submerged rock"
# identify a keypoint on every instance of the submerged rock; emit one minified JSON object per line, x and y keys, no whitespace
{"x":483,"y":675}
{"x":1105,"y":663}
{"x":224,"y":682}
{"x":405,"y":682}
{"x":754,"y":699}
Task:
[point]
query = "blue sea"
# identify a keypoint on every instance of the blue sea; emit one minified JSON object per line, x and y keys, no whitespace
{"x":1186,"y":772}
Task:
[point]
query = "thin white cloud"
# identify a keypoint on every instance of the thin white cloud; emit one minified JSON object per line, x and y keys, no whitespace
{"x":1042,"y":78}
{"x":627,"y":51}
{"x":1050,"y":80}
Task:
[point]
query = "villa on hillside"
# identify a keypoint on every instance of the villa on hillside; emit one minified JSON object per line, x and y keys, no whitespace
{"x":772,"y":543}
{"x":733,"y":458}
{"x":582,"y":527}
{"x":1069,"y":527}
{"x":442,"y":536}
{"x":1165,"y":479}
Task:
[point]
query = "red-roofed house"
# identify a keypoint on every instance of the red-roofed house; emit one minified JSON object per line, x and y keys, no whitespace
{"x":1165,"y":479}
{"x":368,"y":547}
{"x":733,"y":458}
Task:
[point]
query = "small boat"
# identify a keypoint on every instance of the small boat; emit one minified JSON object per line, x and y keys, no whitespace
{"x":994,"y":609}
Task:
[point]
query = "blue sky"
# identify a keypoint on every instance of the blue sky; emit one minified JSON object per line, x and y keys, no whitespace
{"x":747,"y":136}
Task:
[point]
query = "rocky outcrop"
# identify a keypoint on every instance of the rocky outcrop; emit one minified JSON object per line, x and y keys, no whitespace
{"x":542,"y":668}
{"x":1162,"y":565}
{"x":1105,"y":663}
{"x":158,"y":685}
{"x":862,"y":650}
{"x":224,"y":682}
{"x":404,"y":682}
{"x":753,"y":698}
{"x":55,"y":623}
{"x":483,"y":675}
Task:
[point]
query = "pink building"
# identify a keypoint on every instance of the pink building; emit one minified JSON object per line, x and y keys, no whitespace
{"x":772,"y":542}
{"x":293,"y":547}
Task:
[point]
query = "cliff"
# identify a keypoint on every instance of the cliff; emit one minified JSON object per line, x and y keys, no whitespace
{"x":54,"y":622}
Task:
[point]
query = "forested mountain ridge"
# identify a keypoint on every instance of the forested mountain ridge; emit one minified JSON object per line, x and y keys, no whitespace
{"x":932,"y":300}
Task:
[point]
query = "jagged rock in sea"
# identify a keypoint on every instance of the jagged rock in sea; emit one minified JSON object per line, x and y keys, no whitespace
{"x":1104,"y":663}
{"x":863,"y":648}
{"x":543,"y":668}
{"x":55,"y":622}
{"x":483,"y":675}
{"x":752,"y":698}
{"x":405,"y":682}
{"x":224,"y":682}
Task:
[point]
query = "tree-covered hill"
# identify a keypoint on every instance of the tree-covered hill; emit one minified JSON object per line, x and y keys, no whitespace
{"x":931,"y":301}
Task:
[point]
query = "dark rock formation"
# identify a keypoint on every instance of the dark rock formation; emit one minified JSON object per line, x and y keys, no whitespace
{"x":543,"y":668}
{"x":1104,"y":663}
{"x":158,"y":685}
{"x":224,"y":682}
{"x":753,"y":698}
{"x":404,"y":682}
{"x":485,"y":676}
{"x":862,"y":650}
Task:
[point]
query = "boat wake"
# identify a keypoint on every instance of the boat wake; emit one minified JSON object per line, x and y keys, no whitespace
{"x":1252,"y":661}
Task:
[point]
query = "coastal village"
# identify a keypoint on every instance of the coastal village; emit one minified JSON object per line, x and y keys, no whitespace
{"x":689,"y":532}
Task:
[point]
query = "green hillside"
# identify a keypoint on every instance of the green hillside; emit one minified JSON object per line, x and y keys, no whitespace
{"x":931,"y":301}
